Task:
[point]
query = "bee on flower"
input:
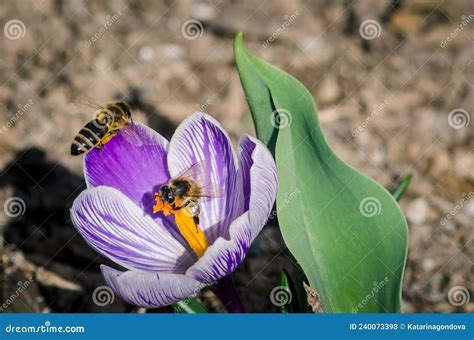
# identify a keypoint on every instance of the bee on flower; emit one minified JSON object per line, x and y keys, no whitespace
{"x":176,"y":215}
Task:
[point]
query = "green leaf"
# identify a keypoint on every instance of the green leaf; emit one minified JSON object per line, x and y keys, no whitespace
{"x":296,"y":283}
{"x":291,"y":304}
{"x":257,"y":94}
{"x":402,"y":187}
{"x":190,"y":305}
{"x":286,"y":307}
{"x":345,"y":230}
{"x":298,"y":279}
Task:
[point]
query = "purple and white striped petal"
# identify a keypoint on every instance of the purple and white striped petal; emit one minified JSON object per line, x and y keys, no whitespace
{"x":258,"y":173}
{"x":133,"y":162}
{"x":201,"y":138}
{"x":150,"y":290}
{"x":117,"y":228}
{"x":259,"y":181}
{"x":224,"y":256}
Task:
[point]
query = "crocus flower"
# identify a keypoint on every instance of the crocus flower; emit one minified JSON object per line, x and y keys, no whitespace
{"x":115,"y":213}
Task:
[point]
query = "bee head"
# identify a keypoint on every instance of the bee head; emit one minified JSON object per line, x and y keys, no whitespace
{"x":126,"y":110}
{"x":166,"y":194}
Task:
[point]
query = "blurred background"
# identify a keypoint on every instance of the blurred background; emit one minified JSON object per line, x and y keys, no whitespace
{"x":393,"y":81}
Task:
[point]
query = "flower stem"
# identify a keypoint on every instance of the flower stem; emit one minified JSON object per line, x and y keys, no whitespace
{"x":227,"y":293}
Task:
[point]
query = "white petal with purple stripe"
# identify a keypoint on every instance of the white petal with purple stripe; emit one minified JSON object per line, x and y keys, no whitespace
{"x":150,"y":290}
{"x":133,"y":162}
{"x":117,"y":228}
{"x":258,"y":171}
{"x":201,"y":138}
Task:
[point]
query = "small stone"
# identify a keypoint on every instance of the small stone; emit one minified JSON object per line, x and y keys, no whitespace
{"x":428,"y":264}
{"x":464,"y":164}
{"x":318,"y":48}
{"x":448,"y":227}
{"x":379,"y":157}
{"x":417,"y":211}
{"x":146,"y":53}
{"x":173,"y":52}
{"x":469,"y":207}
{"x":441,"y":163}
{"x":329,"y":89}
{"x":204,"y":11}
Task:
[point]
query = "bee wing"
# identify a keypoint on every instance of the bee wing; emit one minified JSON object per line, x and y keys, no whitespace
{"x":78,"y":106}
{"x":88,"y":103}
{"x":200,"y":172}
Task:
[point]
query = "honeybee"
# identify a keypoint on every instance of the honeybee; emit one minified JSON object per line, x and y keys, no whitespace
{"x":181,"y":197}
{"x":186,"y":190}
{"x":107,"y":123}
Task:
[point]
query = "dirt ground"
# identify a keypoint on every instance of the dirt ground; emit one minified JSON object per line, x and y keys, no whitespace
{"x":395,"y":95}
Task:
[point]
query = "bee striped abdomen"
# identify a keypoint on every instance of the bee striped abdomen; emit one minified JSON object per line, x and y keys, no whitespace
{"x":107,"y":123}
{"x":88,"y":137}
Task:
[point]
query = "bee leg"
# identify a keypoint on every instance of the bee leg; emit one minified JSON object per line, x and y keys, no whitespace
{"x":196,"y":217}
{"x":195,"y":214}
{"x":181,"y":206}
{"x":106,"y":139}
{"x":193,"y":203}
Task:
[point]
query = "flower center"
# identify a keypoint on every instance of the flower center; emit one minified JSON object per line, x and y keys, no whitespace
{"x":188,"y":224}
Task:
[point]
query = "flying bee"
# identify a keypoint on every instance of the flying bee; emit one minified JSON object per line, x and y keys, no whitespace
{"x":187,"y":190}
{"x":107,"y":123}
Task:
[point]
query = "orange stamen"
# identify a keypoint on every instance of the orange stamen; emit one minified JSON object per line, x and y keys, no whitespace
{"x":186,"y":225}
{"x":191,"y":231}
{"x":159,"y":204}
